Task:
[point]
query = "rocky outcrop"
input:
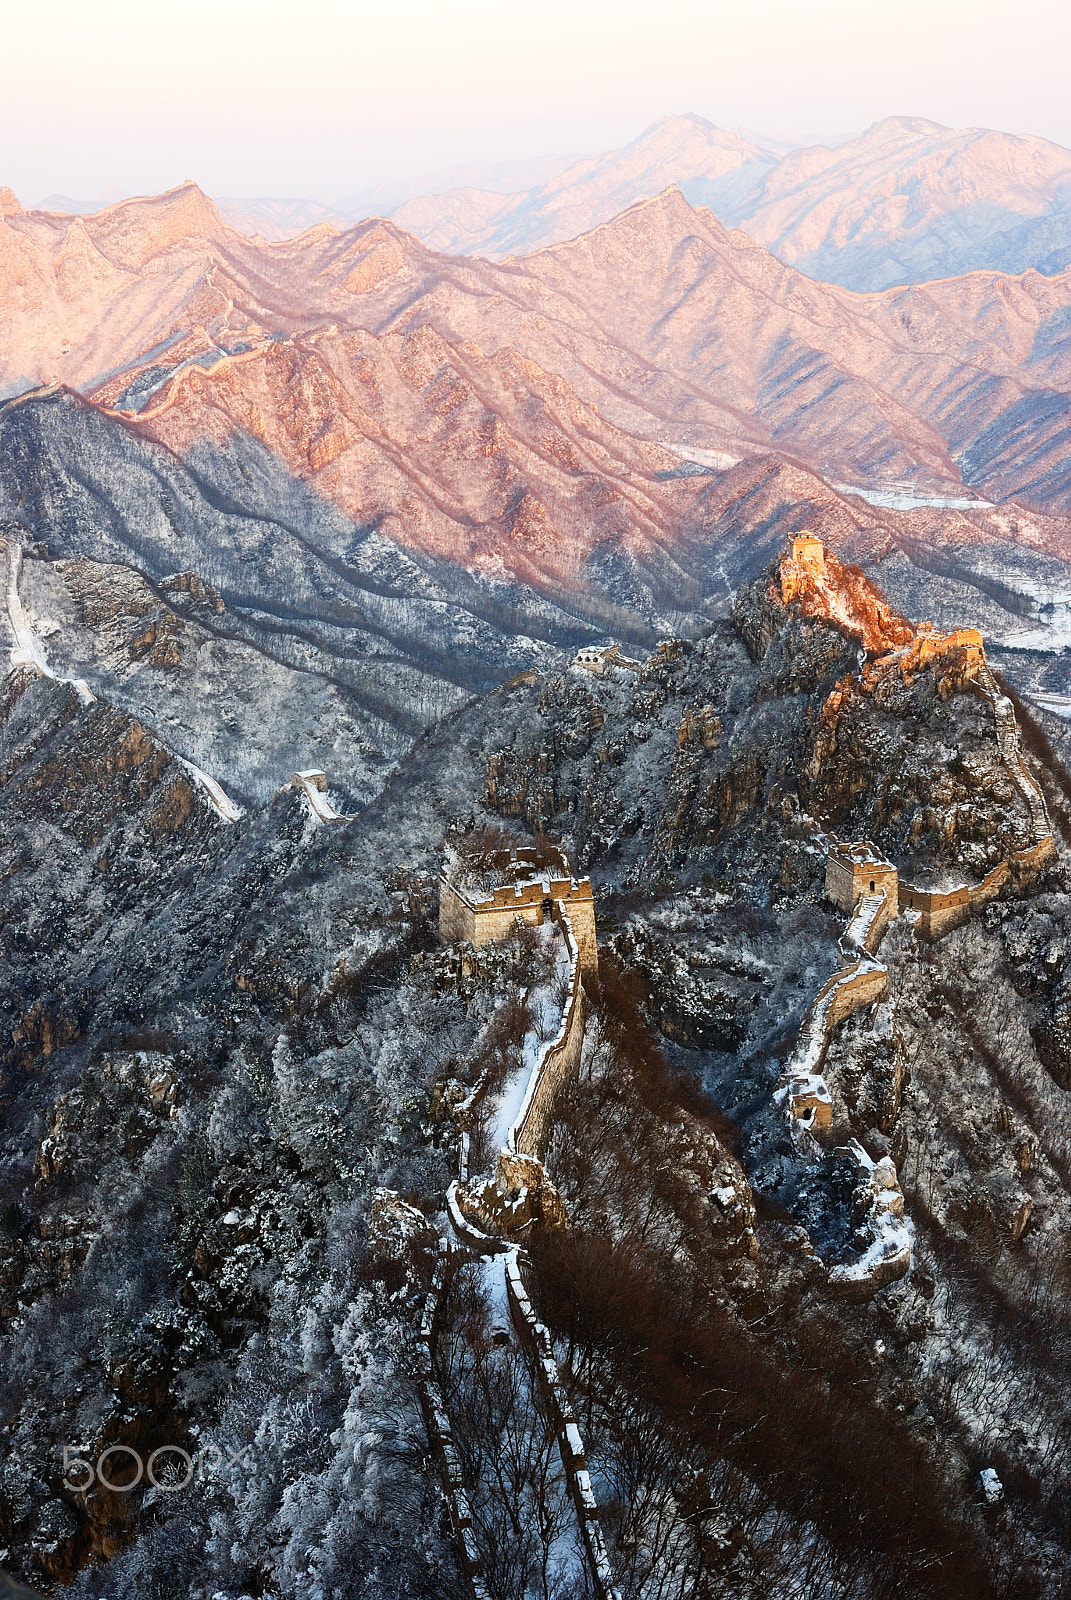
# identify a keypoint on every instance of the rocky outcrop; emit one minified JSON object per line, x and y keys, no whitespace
{"x":824,"y":588}
{"x":521,"y":1195}
{"x":883,"y":1236}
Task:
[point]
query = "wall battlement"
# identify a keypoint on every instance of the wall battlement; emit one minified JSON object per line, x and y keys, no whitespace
{"x":932,"y":646}
{"x":943,"y":909}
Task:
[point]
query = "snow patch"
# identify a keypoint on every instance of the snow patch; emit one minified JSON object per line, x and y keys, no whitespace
{"x":29,"y":651}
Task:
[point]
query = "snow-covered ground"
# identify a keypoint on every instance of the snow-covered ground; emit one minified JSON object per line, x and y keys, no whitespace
{"x":892,"y":1235}
{"x":1058,"y":704}
{"x":29,"y":651}
{"x":902,"y":497}
{"x":1052,"y":626}
{"x":716,"y":460}
{"x":853,"y":939}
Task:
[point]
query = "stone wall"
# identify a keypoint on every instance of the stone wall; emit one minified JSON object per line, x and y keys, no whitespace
{"x":849,"y":991}
{"x":570,"y":1442}
{"x":941,"y":910}
{"x":560,"y":1062}
{"x":521,"y":1195}
{"x":840,"y":882}
{"x":803,"y":1091}
{"x":455,"y":915}
{"x":805,"y":1097}
{"x":1025,"y":863}
{"x":890,"y":1235}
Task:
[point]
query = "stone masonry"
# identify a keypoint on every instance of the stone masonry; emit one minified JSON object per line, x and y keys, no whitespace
{"x":480,"y":917}
{"x":855,"y":870}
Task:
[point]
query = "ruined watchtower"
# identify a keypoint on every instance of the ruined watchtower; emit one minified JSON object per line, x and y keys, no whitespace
{"x":482,"y":911}
{"x":855,"y":870}
{"x":809,"y":551}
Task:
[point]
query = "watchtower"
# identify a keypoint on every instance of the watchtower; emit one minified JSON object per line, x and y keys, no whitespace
{"x":480,"y":915}
{"x":855,"y":870}
{"x":809,"y":551}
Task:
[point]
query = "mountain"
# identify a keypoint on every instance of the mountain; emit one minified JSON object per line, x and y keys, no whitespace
{"x":347,"y":583}
{"x":910,"y":200}
{"x":407,"y":477}
{"x":259,"y":629}
{"x":236,"y":1064}
{"x":711,"y":166}
{"x":82,"y":208}
{"x":285,"y":219}
{"x":715,"y":344}
{"x":510,"y":176}
{"x":504,"y":208}
{"x":278,"y":219}
{"x":906,"y":201}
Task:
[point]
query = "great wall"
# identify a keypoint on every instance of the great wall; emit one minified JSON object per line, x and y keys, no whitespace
{"x":485,"y":1214}
{"x":490,"y":1213}
{"x":859,"y":879}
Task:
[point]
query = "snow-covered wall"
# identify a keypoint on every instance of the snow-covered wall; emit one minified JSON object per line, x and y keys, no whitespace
{"x":559,"y":1061}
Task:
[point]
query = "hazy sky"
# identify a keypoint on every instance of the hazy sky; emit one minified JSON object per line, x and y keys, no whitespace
{"x":323,"y":97}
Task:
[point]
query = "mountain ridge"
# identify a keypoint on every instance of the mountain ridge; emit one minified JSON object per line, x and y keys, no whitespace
{"x":905,"y":201}
{"x":716,"y":340}
{"x":908,"y":200}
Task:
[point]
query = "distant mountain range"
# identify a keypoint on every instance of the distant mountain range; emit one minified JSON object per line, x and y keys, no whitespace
{"x":411,"y":475}
{"x":661,"y":327}
{"x":906,"y":201}
{"x":910,"y":200}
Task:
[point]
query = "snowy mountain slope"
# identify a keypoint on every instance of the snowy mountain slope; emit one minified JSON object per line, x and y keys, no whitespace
{"x":260,"y":629}
{"x":910,"y":200}
{"x":222,"y":1043}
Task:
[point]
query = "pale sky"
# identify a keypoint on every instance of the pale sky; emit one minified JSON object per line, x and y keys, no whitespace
{"x":324,"y":97}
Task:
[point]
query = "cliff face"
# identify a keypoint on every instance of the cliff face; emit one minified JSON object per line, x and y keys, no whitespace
{"x":114,"y":853}
{"x":154,"y":1208}
{"x":828,"y":590}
